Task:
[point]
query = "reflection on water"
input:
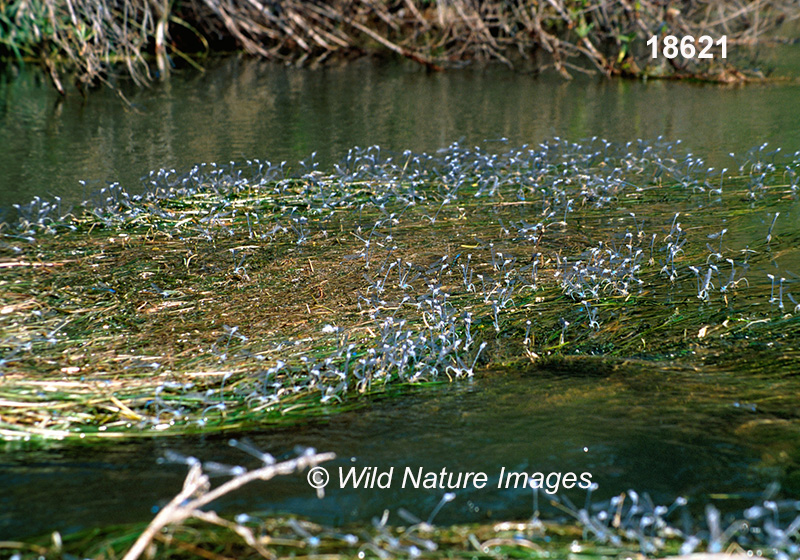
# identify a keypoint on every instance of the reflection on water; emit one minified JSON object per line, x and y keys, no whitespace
{"x":247,"y":109}
{"x":667,"y":433}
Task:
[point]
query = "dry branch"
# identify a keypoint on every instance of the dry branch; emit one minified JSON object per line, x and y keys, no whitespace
{"x":197,"y":494}
{"x":606,"y":35}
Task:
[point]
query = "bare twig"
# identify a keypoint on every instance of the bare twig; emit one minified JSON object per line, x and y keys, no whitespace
{"x":184,"y":506}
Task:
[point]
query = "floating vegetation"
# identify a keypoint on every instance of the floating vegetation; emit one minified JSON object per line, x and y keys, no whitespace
{"x":237,"y":294}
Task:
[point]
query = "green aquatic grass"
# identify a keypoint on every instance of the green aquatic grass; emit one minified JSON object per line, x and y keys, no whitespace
{"x":280,"y":537}
{"x":229,"y":306}
{"x":165,"y":316}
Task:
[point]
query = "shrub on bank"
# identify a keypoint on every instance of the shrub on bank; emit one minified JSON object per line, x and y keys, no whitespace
{"x":146,"y":38}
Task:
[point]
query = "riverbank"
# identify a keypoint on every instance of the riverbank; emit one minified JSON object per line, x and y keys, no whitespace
{"x":81,"y":44}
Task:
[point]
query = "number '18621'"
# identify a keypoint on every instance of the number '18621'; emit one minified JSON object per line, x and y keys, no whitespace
{"x":686,"y":48}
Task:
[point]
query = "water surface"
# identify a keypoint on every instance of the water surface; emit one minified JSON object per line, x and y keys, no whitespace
{"x":701,"y":432}
{"x":243,"y":109}
{"x":667,"y":433}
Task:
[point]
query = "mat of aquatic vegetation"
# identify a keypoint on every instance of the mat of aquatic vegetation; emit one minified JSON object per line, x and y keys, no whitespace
{"x":289,"y":537}
{"x":237,"y":294}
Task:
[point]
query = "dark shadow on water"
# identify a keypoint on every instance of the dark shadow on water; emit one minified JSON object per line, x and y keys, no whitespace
{"x":626,"y":429}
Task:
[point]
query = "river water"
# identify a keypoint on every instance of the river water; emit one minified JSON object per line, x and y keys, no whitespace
{"x":244,"y":109}
{"x":671,"y":442}
{"x":680,"y":433}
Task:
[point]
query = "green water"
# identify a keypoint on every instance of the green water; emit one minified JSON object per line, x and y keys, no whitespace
{"x":244,"y":109}
{"x":701,"y":431}
{"x":664,"y":432}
